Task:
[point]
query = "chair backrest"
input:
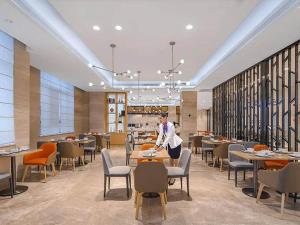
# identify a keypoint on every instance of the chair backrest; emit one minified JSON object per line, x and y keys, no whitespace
{"x":250,"y":144}
{"x":66,"y":150}
{"x":70,"y":137}
{"x":40,"y":143}
{"x":127,"y":146}
{"x":260,"y":147}
{"x":234,"y":147}
{"x":222,"y":150}
{"x":146,"y":146}
{"x":81,"y":136}
{"x":288,"y":178}
{"x":93,"y":138}
{"x":185,"y":161}
{"x":197,"y":141}
{"x":107,"y":163}
{"x":151,"y":177}
{"x":98,"y":140}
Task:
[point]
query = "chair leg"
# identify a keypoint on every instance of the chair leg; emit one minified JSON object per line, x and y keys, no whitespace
{"x":91,"y":156}
{"x":45,"y":173}
{"x":181,"y":183}
{"x":221,"y":165}
{"x":138,"y":204}
{"x":129,"y":182}
{"x":104,"y":193}
{"x":25,"y":173}
{"x":188,"y":185}
{"x":206,"y":157}
{"x":229,"y":172}
{"x":214,"y":162}
{"x":135,"y":198}
{"x":127,"y":187}
{"x":53,"y":169}
{"x":109,"y":183}
{"x":244,"y":174}
{"x":260,"y":190}
{"x":282,"y":203}
{"x":95,"y":155}
{"x":162,"y":200}
{"x":11,"y":187}
{"x":61,"y":163}
{"x":166,"y":199}
{"x":235,"y":177}
{"x":73,"y":163}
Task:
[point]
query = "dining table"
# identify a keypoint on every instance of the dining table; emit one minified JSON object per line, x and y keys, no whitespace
{"x":255,"y":158}
{"x":139,"y":155}
{"x":12,"y":154}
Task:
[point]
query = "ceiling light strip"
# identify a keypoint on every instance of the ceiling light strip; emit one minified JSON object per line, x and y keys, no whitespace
{"x":259,"y":18}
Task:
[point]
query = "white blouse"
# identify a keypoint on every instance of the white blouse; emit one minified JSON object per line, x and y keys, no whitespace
{"x":170,"y":136}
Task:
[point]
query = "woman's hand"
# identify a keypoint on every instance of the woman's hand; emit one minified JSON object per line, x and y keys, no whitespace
{"x":160,"y":148}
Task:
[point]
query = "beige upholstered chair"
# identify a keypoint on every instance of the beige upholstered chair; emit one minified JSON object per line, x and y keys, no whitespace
{"x":150,"y":177}
{"x":197,"y":143}
{"x":284,"y":180}
{"x":69,"y":150}
{"x":221,"y":152}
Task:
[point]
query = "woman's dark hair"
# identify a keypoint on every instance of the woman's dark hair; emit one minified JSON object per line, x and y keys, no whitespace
{"x":164,"y":115}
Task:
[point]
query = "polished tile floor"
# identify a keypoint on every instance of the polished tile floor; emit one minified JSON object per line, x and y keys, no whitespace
{"x":77,"y":198}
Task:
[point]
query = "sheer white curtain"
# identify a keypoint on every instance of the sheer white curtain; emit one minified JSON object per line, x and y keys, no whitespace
{"x":57,"y":106}
{"x":7,"y":134}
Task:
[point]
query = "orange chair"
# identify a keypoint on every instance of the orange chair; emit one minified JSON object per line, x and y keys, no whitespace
{"x":153,"y":137}
{"x":45,"y":157}
{"x":271,"y":164}
{"x":70,"y":137}
{"x":145,"y":147}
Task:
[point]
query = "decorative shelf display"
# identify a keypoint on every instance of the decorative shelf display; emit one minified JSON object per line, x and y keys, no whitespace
{"x":116,"y":118}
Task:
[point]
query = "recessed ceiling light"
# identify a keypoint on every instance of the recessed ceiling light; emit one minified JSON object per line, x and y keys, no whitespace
{"x":159,"y":71}
{"x":102,"y":83}
{"x":8,"y":20}
{"x":189,"y":27}
{"x":91,"y":84}
{"x":96,"y":28}
{"x":179,"y":82}
{"x":130,"y":92}
{"x":188,"y":83}
{"x":179,"y":72}
{"x":123,"y":88}
{"x":181,"y":61}
{"x":90,"y":65}
{"x":118,"y":27}
{"x":131,"y":77}
{"x":128,"y":71}
{"x":135,"y":74}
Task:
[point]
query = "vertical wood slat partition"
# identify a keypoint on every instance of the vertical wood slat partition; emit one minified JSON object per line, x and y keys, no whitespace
{"x":262,"y":102}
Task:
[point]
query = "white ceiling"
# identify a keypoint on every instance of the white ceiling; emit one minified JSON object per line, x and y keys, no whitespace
{"x":148,"y":26}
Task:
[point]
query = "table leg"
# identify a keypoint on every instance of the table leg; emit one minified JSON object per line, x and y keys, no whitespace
{"x":17,"y":189}
{"x":252,"y":192}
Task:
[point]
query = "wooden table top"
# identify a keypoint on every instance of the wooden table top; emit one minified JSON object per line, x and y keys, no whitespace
{"x":216,"y":142}
{"x":252,"y":156}
{"x":20,"y":153}
{"x":141,"y":142}
{"x":159,"y":155}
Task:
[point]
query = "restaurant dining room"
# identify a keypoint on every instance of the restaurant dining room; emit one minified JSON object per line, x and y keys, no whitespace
{"x":144,"y":112}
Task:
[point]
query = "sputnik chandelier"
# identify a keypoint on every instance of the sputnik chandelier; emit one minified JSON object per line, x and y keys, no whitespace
{"x":172,"y":85}
{"x":126,"y":74}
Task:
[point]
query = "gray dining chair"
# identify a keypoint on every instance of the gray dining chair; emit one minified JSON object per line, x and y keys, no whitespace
{"x":206,"y":149}
{"x":91,"y":147}
{"x":114,"y":171}
{"x":236,"y":162}
{"x":250,"y":144}
{"x":183,"y":169}
{"x":150,"y":177}
{"x":128,"y":151}
{"x":284,"y":181}
{"x":7,"y":176}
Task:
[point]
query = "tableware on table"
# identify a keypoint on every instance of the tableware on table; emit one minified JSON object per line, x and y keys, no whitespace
{"x":264,"y":153}
{"x":77,"y":139}
{"x":249,"y":150}
{"x":234,"y":139}
{"x":294,"y":154}
{"x":282,"y":150}
{"x":85,"y":139}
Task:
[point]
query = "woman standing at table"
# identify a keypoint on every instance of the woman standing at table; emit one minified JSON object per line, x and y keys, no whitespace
{"x":170,"y":141}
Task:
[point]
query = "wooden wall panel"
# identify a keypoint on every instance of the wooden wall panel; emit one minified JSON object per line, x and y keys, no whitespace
{"x":96,"y":111}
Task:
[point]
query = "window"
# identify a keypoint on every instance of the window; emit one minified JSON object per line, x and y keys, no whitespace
{"x":57,"y":106}
{"x":7,"y":134}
